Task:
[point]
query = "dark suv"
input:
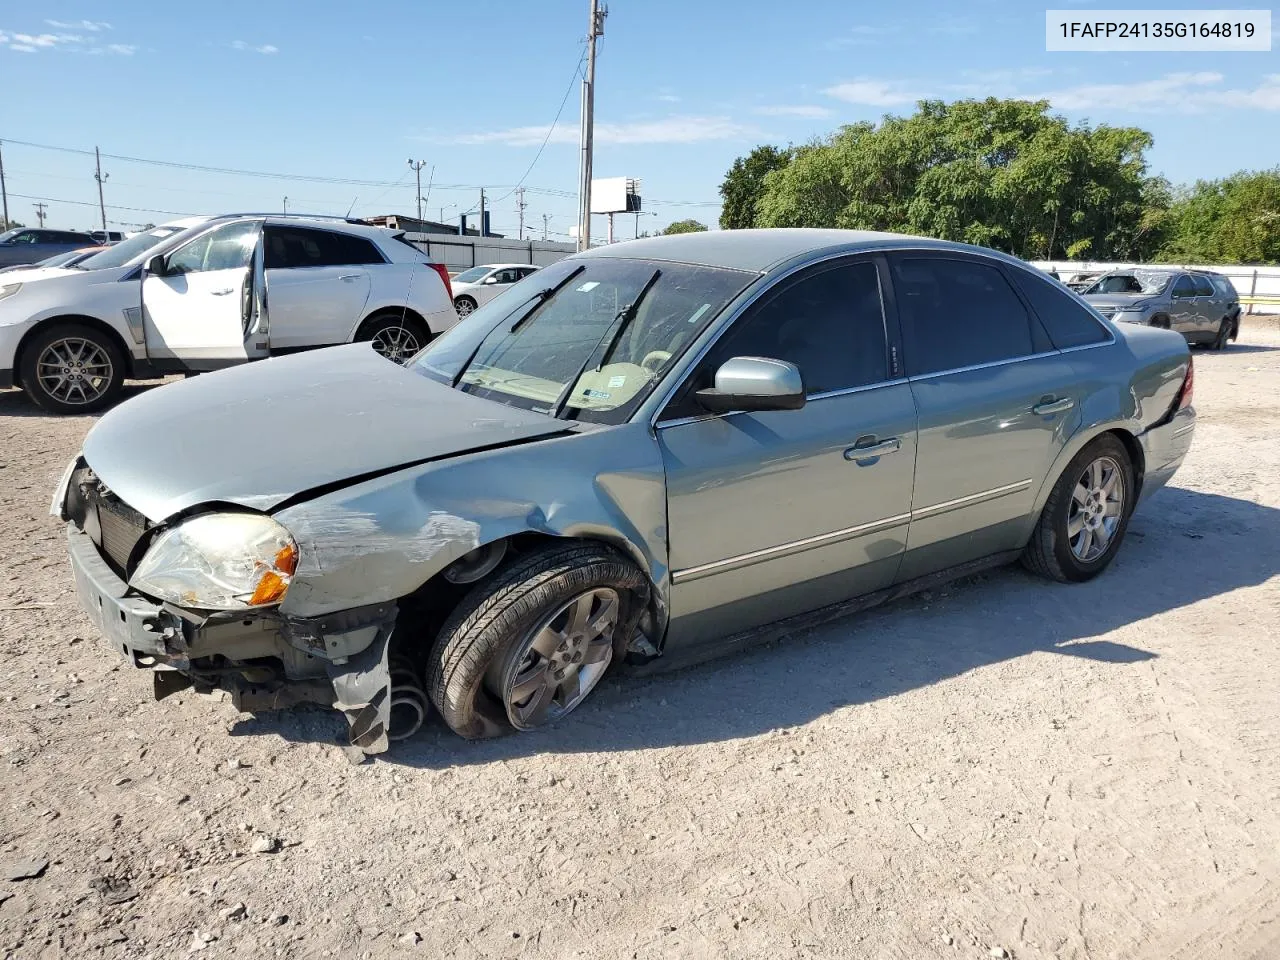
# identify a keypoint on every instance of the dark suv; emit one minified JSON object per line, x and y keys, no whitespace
{"x":28,"y":245}
{"x":1201,"y":305}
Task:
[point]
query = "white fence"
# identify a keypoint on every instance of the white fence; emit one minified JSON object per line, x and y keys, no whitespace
{"x":460,"y":253}
{"x":1259,"y":287}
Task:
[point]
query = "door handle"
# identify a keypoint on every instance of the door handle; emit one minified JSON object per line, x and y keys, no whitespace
{"x":1048,"y":407}
{"x":223,"y":292}
{"x":871,"y":451}
{"x":350,"y":277}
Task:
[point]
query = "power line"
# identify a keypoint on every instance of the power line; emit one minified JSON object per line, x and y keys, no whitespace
{"x":577,"y":72}
{"x":85,"y":203}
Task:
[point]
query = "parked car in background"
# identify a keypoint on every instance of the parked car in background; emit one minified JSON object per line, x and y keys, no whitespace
{"x":1202,"y":306}
{"x":669,"y":442}
{"x":1081,"y":281}
{"x":479,"y":285}
{"x":208,"y":292}
{"x":107,"y":236}
{"x":69,"y":259}
{"x":31,"y":245}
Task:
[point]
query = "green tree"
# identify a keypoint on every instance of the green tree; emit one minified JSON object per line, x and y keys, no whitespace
{"x":744,"y":183}
{"x":1233,"y":220}
{"x":1000,"y":173}
{"x":684,"y":226}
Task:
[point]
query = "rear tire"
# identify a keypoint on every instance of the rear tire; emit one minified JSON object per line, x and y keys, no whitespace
{"x":1224,"y":334}
{"x":71,"y":368}
{"x":1083,"y":509}
{"x":483,"y":647}
{"x":394,"y":334}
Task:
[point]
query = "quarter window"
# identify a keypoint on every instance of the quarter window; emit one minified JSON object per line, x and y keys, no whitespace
{"x":1067,"y":322}
{"x":958,"y":313}
{"x":293,"y":247}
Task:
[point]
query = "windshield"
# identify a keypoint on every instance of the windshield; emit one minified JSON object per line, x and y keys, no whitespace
{"x":126,"y":250}
{"x":581,"y":348}
{"x":10,"y":234}
{"x":472,"y":275}
{"x":58,"y":259}
{"x":1146,"y":283}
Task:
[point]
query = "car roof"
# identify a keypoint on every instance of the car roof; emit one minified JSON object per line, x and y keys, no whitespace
{"x":501,"y":266}
{"x":760,"y":250}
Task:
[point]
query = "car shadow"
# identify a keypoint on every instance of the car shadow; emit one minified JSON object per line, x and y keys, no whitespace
{"x":15,"y":403}
{"x":1182,"y":547}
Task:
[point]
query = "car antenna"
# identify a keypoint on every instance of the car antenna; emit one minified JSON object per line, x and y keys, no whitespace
{"x":352,"y":207}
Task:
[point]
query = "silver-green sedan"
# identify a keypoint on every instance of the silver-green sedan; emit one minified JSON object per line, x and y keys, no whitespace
{"x":652,"y":449}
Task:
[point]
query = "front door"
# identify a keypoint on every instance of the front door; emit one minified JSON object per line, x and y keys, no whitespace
{"x":317,"y":284}
{"x":200,"y":310}
{"x":773,"y":514}
{"x":496,"y":283}
{"x":996,"y":404}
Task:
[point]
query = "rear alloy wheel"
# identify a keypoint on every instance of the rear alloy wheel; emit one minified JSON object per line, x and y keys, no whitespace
{"x":465,"y":306}
{"x":72,"y":368}
{"x":528,"y":644}
{"x":394,"y":336}
{"x":1085,"y":518}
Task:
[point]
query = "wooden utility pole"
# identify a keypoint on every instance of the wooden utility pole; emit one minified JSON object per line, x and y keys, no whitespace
{"x":483,"y":232}
{"x":4,"y":194}
{"x":40,"y":209}
{"x":100,"y":176}
{"x":545,"y":218}
{"x":595,"y":28}
{"x":520,"y":205}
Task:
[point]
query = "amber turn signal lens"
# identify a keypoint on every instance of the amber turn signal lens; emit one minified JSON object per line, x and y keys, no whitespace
{"x":270,"y":589}
{"x":287,"y":560}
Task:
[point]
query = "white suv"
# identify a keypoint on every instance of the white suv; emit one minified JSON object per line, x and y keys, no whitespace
{"x":209,"y":292}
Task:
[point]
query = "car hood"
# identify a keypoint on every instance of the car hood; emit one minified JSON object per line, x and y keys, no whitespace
{"x":30,"y":274}
{"x":1118,"y":299}
{"x":260,"y":434}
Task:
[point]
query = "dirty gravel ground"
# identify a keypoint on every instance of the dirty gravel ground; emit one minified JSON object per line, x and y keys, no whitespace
{"x":1004,"y":765}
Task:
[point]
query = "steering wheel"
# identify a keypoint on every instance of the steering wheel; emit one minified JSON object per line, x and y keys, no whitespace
{"x":654,"y":359}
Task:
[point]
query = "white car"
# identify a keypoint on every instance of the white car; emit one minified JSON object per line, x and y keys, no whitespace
{"x":208,"y":292}
{"x":479,"y":285}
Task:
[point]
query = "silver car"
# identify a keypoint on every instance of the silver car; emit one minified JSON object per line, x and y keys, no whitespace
{"x":1201,"y":305}
{"x":651,"y":449}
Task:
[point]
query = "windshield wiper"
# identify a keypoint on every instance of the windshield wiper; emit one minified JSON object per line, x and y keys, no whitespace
{"x":622,"y":319}
{"x":537,"y":300}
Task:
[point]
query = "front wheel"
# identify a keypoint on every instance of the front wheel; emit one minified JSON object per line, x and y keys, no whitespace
{"x":394,"y":335}
{"x":526,"y":648}
{"x":1086,"y":516}
{"x":465,"y":306}
{"x":72,"y":368}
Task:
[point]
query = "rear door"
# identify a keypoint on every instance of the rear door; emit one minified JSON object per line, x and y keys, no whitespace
{"x":201,"y":310}
{"x":996,"y":404}
{"x":1210,"y":308}
{"x":772,"y":514}
{"x":317,"y":284}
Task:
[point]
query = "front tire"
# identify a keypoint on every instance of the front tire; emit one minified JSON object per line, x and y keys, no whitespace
{"x":72,"y":368}
{"x":525,"y":648}
{"x":464,"y":306}
{"x":1085,"y":518}
{"x":394,"y":334}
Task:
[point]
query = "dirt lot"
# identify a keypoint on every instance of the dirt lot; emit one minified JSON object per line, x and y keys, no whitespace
{"x":1003,"y":768}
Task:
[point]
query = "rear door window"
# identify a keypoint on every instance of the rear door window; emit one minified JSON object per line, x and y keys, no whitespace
{"x":1183,"y":288}
{"x":294,"y":247}
{"x":1203,"y":287}
{"x":1068,"y":323}
{"x":958,"y":313}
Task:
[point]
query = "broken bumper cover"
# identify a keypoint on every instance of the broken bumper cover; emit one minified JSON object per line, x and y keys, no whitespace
{"x":339,"y":660}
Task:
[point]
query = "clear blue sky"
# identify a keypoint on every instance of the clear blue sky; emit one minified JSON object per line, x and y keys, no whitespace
{"x":342,"y":90}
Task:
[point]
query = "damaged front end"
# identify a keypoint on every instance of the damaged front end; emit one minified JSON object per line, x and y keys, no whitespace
{"x":264,"y":659}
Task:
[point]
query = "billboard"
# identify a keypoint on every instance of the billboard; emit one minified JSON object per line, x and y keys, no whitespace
{"x":615,"y":195}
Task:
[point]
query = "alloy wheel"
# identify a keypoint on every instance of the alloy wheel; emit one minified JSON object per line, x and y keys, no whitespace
{"x":396,"y":343}
{"x":74,"y":371}
{"x":1097,"y":507}
{"x":562,"y":660}
{"x":464,"y":308}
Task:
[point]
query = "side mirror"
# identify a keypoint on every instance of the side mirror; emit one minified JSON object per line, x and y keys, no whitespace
{"x":490,"y":279}
{"x":155,"y":266}
{"x":754,"y":384}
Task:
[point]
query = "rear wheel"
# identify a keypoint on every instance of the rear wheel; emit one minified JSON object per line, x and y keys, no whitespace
{"x":395,"y":335}
{"x":1086,"y":516}
{"x":527,"y":647}
{"x":72,"y":368}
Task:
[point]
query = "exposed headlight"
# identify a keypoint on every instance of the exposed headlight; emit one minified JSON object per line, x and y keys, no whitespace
{"x":9,"y":289}
{"x":220,"y":561}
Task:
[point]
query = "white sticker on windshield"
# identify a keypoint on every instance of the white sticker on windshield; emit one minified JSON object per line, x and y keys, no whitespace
{"x":700,"y":311}
{"x":616,"y":382}
{"x":588,"y":286}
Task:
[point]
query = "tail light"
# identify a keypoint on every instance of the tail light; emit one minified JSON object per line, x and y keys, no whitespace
{"x":1188,"y":385}
{"x":444,"y":277}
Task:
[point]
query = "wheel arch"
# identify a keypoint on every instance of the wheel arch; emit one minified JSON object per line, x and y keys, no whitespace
{"x":101,"y":326}
{"x":1080,"y":440}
